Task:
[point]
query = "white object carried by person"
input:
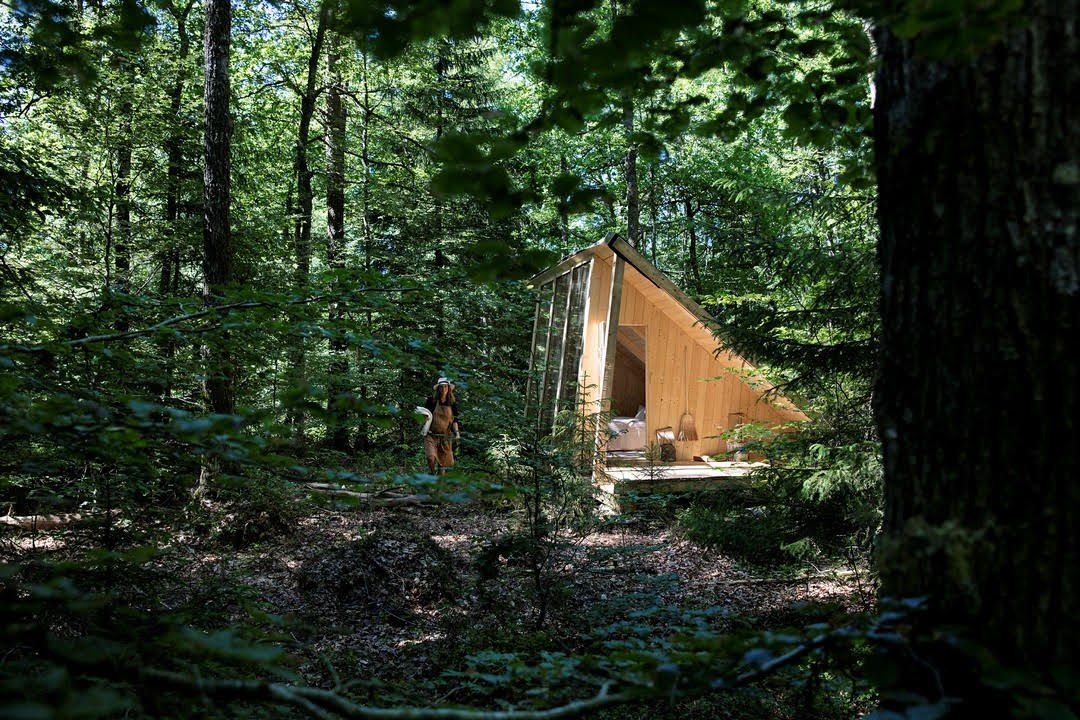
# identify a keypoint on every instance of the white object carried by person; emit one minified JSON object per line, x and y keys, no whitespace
{"x":427,"y":423}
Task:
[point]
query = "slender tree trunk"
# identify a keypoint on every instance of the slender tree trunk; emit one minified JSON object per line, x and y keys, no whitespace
{"x":169,"y":256}
{"x":691,"y":244}
{"x":564,"y":215}
{"x":977,"y":399}
{"x":337,"y":401}
{"x":633,"y":208}
{"x":174,"y":149}
{"x":363,"y":441}
{"x":653,"y":210}
{"x":217,"y":240}
{"x":304,"y":196}
{"x":441,"y":68}
{"x":302,"y":214}
{"x":122,"y":192}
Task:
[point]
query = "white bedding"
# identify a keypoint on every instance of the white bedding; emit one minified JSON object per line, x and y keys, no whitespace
{"x":628,"y":432}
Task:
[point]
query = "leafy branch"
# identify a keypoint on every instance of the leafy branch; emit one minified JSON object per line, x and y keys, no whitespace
{"x":326,"y":704}
{"x":177,"y":319}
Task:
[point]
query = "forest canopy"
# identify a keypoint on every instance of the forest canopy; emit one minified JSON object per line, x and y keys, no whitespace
{"x":240,"y":242}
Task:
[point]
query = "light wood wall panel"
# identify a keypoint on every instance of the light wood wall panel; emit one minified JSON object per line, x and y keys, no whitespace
{"x":682,"y":372}
{"x":592,"y":359}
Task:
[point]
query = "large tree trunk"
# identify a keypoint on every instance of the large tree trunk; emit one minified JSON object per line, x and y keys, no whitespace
{"x":977,"y":398}
{"x":337,"y":388}
{"x":302,"y":213}
{"x":217,"y":240}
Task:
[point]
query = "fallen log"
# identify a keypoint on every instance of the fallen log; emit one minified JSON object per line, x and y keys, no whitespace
{"x":49,"y":522}
{"x":385,"y":498}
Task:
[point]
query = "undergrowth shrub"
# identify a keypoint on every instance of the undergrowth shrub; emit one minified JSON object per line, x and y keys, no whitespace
{"x":392,"y":572}
{"x":549,"y":474}
{"x":824,"y":504}
{"x":257,"y":511}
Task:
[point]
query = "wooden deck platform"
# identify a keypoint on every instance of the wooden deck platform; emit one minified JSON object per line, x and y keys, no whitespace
{"x":638,"y":478}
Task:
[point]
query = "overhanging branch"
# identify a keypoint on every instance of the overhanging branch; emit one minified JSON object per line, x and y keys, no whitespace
{"x":177,"y":319}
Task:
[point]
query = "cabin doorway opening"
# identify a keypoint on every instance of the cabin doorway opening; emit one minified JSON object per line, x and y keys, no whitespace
{"x":628,"y":397}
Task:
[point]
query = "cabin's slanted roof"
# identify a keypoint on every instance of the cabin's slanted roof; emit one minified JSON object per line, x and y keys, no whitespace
{"x":704,"y":322}
{"x":639,"y":262}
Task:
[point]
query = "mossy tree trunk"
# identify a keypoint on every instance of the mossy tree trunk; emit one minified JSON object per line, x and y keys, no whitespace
{"x":979,"y":182}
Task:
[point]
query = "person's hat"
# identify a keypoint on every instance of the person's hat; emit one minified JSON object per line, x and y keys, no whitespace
{"x":444,"y":381}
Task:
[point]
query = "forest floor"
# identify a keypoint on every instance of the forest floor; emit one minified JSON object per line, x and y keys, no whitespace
{"x":399,"y":597}
{"x":406,"y":594}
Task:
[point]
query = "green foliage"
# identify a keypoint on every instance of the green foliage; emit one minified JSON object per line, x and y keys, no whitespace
{"x":83,"y":645}
{"x":46,"y":43}
{"x":822,"y":503}
{"x":253,"y":511}
{"x":484,"y":138}
{"x":551,"y":475}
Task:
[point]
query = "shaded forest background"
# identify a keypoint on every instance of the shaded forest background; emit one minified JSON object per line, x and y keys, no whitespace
{"x":238,"y":243}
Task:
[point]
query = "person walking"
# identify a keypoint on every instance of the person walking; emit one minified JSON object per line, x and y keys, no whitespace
{"x":442,"y":428}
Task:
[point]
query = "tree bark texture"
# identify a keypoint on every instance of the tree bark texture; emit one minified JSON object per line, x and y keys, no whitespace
{"x":337,"y":400}
{"x":302,"y":213}
{"x":979,"y":183}
{"x":217,"y":240}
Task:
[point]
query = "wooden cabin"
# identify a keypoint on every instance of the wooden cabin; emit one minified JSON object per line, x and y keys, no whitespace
{"x":610,"y":326}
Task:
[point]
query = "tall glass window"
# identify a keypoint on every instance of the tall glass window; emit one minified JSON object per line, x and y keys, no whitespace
{"x":558,"y":341}
{"x":575,"y":341}
{"x":538,"y":360}
{"x":556,"y":344}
